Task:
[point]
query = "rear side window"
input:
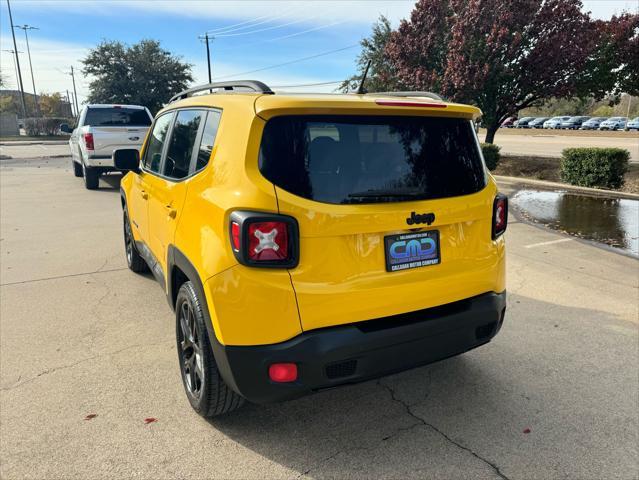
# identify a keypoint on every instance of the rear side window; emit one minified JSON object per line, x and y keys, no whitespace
{"x":155,"y":145}
{"x":362,"y":159}
{"x":208,"y":139}
{"x":117,"y":117}
{"x":184,"y":133}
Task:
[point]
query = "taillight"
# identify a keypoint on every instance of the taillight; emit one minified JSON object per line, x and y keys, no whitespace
{"x":500,"y":215}
{"x":261,"y":240}
{"x":88,"y":141}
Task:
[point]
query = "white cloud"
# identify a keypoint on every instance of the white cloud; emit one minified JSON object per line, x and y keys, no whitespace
{"x":255,"y":11}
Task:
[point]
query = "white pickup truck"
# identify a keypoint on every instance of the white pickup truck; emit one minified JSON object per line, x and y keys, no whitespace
{"x":102,"y":129}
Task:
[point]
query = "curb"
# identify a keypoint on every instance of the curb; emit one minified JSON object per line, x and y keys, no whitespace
{"x":564,"y":186}
{"x":21,"y":143}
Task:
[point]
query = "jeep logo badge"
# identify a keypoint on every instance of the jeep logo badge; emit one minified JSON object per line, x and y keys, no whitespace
{"x":426,"y":218}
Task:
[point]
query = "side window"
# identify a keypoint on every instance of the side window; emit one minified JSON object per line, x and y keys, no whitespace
{"x":178,"y":157}
{"x":208,"y":139}
{"x":153,"y":151}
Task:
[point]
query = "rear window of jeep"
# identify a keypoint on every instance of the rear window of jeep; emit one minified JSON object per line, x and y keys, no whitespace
{"x":371,"y":159}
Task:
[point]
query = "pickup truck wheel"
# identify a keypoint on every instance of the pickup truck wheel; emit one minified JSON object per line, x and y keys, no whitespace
{"x":91,"y":177}
{"x":77,"y":168}
{"x":207,"y":392}
{"x":133,"y":258}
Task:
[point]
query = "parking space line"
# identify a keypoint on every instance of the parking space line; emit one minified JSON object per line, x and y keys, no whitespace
{"x":541,"y":244}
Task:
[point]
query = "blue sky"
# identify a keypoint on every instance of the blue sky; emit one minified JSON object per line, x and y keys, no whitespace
{"x":249,"y":35}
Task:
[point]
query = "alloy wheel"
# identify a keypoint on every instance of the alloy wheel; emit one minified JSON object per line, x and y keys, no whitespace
{"x":191,"y":352}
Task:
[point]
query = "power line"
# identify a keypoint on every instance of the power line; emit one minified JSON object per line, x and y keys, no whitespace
{"x":260,"y":30}
{"x":268,"y":17}
{"x":247,"y":24}
{"x":289,"y":62}
{"x":26,"y":28}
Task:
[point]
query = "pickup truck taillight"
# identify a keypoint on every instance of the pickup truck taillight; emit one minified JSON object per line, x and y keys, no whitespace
{"x":500,"y":215}
{"x":264,"y":240}
{"x":88,"y":141}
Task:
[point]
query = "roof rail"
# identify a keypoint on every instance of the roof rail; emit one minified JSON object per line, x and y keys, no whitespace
{"x":432,"y":95}
{"x":253,"y":85}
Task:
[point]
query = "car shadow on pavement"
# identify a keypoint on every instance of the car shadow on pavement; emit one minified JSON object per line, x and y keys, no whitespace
{"x":522,"y":398}
{"x":110,"y":182}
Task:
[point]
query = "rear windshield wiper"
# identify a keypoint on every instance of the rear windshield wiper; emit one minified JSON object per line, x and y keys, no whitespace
{"x":387,"y":193}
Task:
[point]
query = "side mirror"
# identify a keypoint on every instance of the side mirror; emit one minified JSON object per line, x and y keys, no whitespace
{"x":64,"y":128}
{"x":127,"y":159}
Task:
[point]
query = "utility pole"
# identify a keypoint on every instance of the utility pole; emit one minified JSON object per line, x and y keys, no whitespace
{"x":69,"y":103}
{"x":35,"y":94}
{"x":13,"y":52}
{"x":15,"y":48}
{"x":206,"y":39}
{"x":75,"y":92}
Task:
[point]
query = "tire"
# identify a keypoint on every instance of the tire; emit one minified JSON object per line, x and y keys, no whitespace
{"x":207,"y":392}
{"x":134,"y":260}
{"x":91,"y":177}
{"x":77,"y":168}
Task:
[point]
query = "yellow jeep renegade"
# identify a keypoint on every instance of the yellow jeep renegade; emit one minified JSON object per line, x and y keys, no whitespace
{"x":309,"y":241}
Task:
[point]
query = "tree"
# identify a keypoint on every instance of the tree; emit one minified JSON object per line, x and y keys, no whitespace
{"x":613,"y":66}
{"x":380,"y":75}
{"x":53,"y":105}
{"x":143,"y":74}
{"x":501,"y":55}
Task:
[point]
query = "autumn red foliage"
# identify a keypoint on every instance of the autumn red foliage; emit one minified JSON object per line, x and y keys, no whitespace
{"x":506,"y":55}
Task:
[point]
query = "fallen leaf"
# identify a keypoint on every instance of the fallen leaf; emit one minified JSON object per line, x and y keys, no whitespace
{"x":91,"y":416}
{"x":150,"y":420}
{"x":526,"y":430}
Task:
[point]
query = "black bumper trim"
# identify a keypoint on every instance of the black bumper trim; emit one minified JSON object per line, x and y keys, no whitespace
{"x":442,"y":332}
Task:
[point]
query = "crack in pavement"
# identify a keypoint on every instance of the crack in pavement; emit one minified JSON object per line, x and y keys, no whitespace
{"x":423,"y":422}
{"x":63,"y":276}
{"x":64,"y":367}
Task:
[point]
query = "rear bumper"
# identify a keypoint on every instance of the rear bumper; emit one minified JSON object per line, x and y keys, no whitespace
{"x":97,"y":160}
{"x":356,"y":352}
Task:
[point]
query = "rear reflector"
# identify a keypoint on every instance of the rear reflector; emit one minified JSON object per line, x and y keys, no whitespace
{"x":395,"y":103}
{"x":282,"y":372}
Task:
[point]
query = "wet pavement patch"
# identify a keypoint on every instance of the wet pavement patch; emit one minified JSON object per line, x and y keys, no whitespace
{"x":612,"y":221}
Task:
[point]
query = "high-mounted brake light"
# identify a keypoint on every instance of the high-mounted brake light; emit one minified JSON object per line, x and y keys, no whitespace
{"x":500,"y":215}
{"x":399,"y":103}
{"x":262,"y":240}
{"x":88,"y":141}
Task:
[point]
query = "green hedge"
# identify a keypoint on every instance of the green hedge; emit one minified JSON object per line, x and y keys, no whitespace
{"x":491,"y":155}
{"x":594,"y":167}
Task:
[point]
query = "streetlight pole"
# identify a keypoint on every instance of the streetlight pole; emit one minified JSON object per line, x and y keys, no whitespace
{"x":35,"y":93}
{"x":15,"y":48}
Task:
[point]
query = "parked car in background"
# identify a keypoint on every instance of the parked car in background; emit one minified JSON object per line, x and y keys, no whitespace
{"x":537,"y":122}
{"x":614,"y":123}
{"x":509,"y":122}
{"x":633,"y":124}
{"x":555,"y":122}
{"x":101,"y":130}
{"x":523,"y":122}
{"x":573,"y":123}
{"x":593,"y":123}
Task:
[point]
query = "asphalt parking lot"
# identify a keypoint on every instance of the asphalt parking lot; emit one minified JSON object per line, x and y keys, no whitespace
{"x":82,"y":335}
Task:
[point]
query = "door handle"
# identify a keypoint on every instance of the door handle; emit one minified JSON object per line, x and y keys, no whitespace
{"x":172,"y":212}
{"x":144,"y":195}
